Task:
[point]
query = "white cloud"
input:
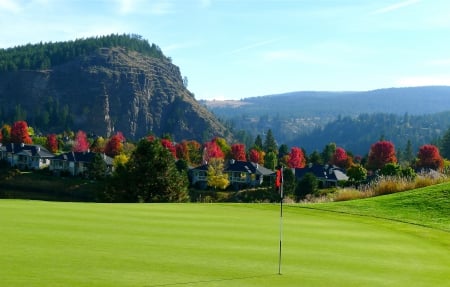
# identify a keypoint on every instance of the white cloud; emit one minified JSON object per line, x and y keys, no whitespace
{"x":414,"y":81}
{"x":10,"y":6}
{"x":396,"y":6}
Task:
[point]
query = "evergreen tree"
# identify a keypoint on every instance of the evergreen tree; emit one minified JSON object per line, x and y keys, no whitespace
{"x":328,"y":152}
{"x":150,"y":175}
{"x":408,"y":154}
{"x":270,"y":145}
{"x":97,"y":168}
{"x":270,"y":160}
{"x":445,"y":145}
{"x":315,"y":158}
{"x":308,"y":184}
{"x":258,"y":143}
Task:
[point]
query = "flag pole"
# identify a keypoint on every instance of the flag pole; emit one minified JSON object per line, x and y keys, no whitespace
{"x":281,"y":219}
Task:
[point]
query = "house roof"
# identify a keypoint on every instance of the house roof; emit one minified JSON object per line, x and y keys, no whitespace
{"x":324,"y":172}
{"x":247,"y":166}
{"x":26,"y":149}
{"x":82,"y":157}
{"x":241,"y":166}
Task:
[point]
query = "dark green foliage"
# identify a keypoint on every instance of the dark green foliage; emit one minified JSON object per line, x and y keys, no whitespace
{"x":308,"y":184}
{"x":357,"y":173}
{"x":45,"y":55}
{"x":270,"y":144}
{"x":97,"y":168}
{"x":288,"y":182}
{"x":391,"y":169}
{"x":445,"y":145}
{"x":149,"y":176}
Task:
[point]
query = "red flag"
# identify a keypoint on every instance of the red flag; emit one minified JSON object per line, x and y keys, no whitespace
{"x":279,"y":178}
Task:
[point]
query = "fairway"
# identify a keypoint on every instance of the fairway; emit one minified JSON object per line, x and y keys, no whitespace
{"x":82,"y":244}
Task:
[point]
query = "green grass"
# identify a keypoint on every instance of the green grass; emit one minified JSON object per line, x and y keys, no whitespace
{"x":428,"y":206}
{"x":87,"y":244}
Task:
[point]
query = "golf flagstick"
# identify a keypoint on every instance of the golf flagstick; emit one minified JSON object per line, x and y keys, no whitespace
{"x":279,"y":184}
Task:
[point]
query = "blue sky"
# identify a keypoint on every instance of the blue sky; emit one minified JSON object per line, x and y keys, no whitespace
{"x":232,"y":49}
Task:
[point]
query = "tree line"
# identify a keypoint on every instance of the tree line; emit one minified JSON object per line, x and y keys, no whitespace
{"x":156,"y":169}
{"x":43,"y":56}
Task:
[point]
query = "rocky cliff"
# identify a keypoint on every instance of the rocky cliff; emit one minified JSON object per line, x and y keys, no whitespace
{"x":109,"y":90}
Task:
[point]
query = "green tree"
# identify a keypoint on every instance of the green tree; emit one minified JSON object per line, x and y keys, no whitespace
{"x":391,"y":169}
{"x":283,"y":150}
{"x":258,"y":143}
{"x":308,"y":184}
{"x":408,"y":154}
{"x":445,"y":145}
{"x":150,"y":175}
{"x":315,"y":158}
{"x":328,"y":152}
{"x":97,"y":168}
{"x":357,"y":173}
{"x":270,"y":160}
{"x":270,"y":145}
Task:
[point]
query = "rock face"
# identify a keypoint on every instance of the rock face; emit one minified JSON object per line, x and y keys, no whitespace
{"x":108,"y":91}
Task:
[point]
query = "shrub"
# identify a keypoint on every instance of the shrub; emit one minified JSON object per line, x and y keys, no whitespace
{"x":349,"y":194}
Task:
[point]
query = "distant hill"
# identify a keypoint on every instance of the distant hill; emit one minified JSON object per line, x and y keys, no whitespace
{"x":414,"y":100}
{"x":101,"y":85}
{"x":353,"y":120}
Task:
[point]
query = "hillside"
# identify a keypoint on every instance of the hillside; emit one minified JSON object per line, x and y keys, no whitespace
{"x":428,"y":206}
{"x":354,"y":120}
{"x":101,"y":87}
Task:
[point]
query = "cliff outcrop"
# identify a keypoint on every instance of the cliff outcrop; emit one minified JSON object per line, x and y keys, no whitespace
{"x":109,"y":90}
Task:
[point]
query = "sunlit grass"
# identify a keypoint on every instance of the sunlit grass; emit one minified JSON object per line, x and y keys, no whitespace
{"x":80,"y":244}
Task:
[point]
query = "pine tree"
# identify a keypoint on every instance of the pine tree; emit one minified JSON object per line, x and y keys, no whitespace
{"x":270,"y":145}
{"x":445,"y":145}
{"x":150,"y":175}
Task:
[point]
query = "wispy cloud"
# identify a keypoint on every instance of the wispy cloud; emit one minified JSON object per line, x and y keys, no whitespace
{"x":10,"y":6}
{"x":253,"y":46}
{"x":160,"y":7}
{"x":179,"y":46}
{"x":396,"y":6}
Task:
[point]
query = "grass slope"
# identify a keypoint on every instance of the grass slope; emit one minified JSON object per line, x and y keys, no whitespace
{"x":82,"y":244}
{"x":428,"y":206}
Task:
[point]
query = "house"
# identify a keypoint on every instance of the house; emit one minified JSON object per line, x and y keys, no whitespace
{"x":240,"y":174}
{"x":246,"y":173}
{"x":77,"y":163}
{"x":25,"y":156}
{"x":327,"y":175}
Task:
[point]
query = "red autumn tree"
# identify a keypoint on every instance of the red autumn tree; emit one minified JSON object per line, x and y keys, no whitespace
{"x":238,"y":152}
{"x":254,"y":155}
{"x":115,"y":145}
{"x":340,"y":158}
{"x":168,"y":144}
{"x":429,"y":157}
{"x":52,"y":143}
{"x":19,"y":133}
{"x":81,"y":142}
{"x":381,"y":153}
{"x":182,"y":150}
{"x":296,"y":158}
{"x":212,"y":150}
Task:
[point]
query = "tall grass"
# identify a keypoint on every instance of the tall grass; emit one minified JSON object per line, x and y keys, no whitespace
{"x":387,"y":185}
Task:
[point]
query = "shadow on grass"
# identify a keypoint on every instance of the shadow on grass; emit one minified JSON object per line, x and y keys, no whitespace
{"x":212,"y":280}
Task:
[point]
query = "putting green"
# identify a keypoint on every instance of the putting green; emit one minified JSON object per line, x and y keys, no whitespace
{"x":80,"y":244}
